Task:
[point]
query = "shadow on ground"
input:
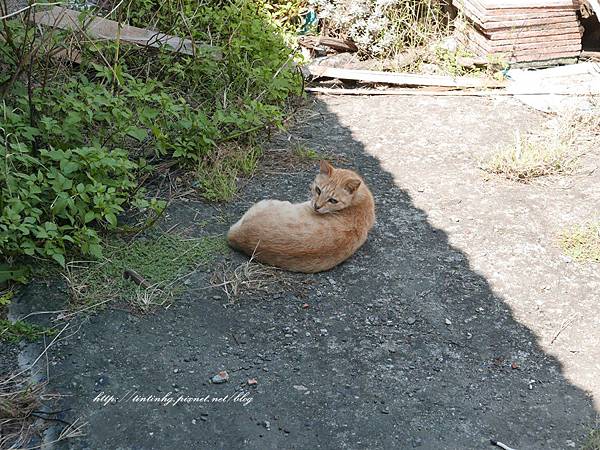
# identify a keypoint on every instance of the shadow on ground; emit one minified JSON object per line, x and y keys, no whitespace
{"x":403,"y":346}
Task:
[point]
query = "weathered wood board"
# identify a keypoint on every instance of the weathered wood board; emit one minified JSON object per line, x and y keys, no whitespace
{"x":520,"y":30}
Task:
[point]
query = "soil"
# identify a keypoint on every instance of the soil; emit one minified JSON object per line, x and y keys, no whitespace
{"x":459,"y":321}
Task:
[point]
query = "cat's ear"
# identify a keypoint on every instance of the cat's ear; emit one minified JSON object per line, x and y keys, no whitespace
{"x":326,"y":168}
{"x":352,"y":185}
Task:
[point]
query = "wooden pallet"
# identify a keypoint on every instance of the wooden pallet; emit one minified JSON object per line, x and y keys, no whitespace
{"x":520,"y":30}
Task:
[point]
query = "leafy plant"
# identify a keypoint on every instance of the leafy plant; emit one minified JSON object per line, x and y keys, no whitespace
{"x":15,"y":331}
{"x":50,"y":196}
{"x":12,"y":273}
{"x":307,"y":153}
{"x":76,"y":139}
{"x":5,"y":298}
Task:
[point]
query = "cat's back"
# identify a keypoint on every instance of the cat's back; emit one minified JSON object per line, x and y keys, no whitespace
{"x":272,"y":220}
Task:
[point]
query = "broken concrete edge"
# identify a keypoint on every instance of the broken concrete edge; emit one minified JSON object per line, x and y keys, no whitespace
{"x":106,"y":29}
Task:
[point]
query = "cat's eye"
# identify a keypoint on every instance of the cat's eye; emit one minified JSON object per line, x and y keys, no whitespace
{"x":317,"y":190}
{"x":332,"y":200}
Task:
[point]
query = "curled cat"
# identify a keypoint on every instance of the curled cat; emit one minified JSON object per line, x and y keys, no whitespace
{"x":313,"y":236}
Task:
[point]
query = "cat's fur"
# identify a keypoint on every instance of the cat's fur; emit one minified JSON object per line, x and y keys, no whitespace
{"x":313,"y":236}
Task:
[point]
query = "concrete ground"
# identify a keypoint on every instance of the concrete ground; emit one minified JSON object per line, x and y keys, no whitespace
{"x":458,"y":322}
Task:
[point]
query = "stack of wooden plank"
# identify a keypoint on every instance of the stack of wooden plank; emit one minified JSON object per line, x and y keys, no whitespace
{"x":520,"y":31}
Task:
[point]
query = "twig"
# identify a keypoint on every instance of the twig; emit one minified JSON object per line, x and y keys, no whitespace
{"x":130,"y":274}
{"x":70,"y":431}
{"x":95,"y":305}
{"x":566,"y":323}
{"x":33,"y":5}
{"x":12,"y":377}
{"x":501,"y":445}
{"x":53,"y":419}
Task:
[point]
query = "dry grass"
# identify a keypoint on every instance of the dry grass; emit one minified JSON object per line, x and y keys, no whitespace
{"x":23,"y":414}
{"x":582,"y":242}
{"x":252,"y":278}
{"x":532,"y":157}
{"x":249,"y":277}
{"x":18,"y":402}
{"x":554,"y":151}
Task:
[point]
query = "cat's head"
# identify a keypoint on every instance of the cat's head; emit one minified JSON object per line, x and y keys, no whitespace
{"x":333,"y":189}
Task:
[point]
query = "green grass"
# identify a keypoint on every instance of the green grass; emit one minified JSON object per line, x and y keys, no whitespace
{"x":6,"y":297}
{"x":14,"y":332}
{"x":307,"y":153}
{"x":163,"y":261}
{"x":582,"y":242}
{"x":217,"y":181}
{"x":593,"y":441}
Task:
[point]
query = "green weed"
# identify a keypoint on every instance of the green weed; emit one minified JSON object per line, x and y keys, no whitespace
{"x":307,"y":153}
{"x":593,"y":441}
{"x":162,"y":261}
{"x":16,"y":331}
{"x":75,"y":140}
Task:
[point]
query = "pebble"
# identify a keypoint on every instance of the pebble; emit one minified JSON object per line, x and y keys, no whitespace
{"x":252,"y":382}
{"x":221,"y":377}
{"x":299,"y":387}
{"x":448,"y":322}
{"x":411,"y":320}
{"x":266,"y":424}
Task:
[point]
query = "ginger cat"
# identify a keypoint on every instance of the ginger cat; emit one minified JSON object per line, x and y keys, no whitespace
{"x":312,"y":236}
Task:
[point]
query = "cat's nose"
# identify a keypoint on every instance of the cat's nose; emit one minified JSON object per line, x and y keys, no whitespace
{"x":316,"y":207}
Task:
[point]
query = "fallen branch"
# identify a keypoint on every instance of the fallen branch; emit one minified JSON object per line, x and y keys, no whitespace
{"x":130,"y":274}
{"x":341,"y":45}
